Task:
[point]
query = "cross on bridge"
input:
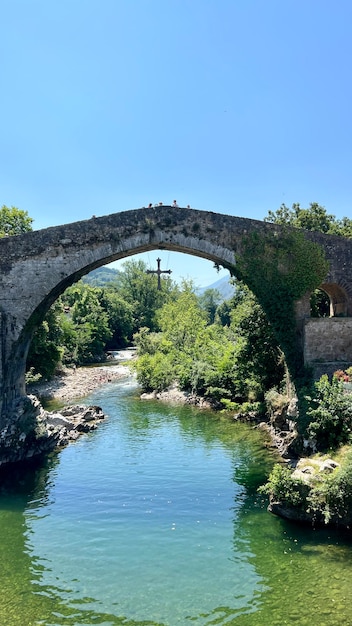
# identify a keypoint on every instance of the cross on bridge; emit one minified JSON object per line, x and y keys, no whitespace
{"x":159,"y":272}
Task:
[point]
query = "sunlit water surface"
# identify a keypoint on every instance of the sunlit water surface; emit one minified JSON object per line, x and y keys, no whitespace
{"x":154,"y":519}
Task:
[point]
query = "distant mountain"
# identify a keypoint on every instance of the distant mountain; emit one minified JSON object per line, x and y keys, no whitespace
{"x":104,"y":275}
{"x":223,"y":286}
{"x":101,"y":276}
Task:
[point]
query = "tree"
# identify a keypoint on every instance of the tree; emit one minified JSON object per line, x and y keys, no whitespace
{"x":90,"y":323}
{"x":46,"y":351}
{"x":314,"y":217}
{"x":223,"y":313}
{"x":209,"y":301}
{"x":236,"y":363}
{"x":177,"y":352}
{"x":279,"y":271}
{"x":259,"y":357}
{"x":120,"y":317}
{"x":342,"y":227}
{"x":14,"y":221}
{"x":141,"y":291}
{"x":329,"y":411}
{"x":182,"y":320}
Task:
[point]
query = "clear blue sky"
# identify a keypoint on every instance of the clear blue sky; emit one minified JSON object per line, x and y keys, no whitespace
{"x":232,"y":106}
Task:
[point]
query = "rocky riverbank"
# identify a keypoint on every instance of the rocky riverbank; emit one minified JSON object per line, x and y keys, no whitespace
{"x":76,"y":383}
{"x":174,"y":395}
{"x":34,"y":430}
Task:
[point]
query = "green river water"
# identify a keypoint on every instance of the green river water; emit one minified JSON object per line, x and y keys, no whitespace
{"x":154,"y":519}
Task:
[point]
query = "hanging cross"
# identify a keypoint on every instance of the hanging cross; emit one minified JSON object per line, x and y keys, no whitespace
{"x":159,"y":272}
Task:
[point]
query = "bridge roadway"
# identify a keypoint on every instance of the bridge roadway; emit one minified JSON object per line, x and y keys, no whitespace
{"x":38,"y":266}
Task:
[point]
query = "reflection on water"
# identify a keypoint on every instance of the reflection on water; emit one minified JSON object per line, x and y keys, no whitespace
{"x":154,"y":519}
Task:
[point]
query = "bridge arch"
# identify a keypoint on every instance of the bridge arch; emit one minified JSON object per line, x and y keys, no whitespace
{"x":39,"y":305}
{"x":39,"y":266}
{"x":35,"y":268}
{"x":338,"y":299}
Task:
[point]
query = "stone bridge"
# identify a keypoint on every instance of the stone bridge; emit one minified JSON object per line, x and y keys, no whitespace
{"x":38,"y":266}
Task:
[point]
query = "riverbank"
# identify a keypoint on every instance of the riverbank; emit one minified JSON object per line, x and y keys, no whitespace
{"x":55,"y":429}
{"x":72,"y":384}
{"x":174,"y":395}
{"x":306,"y":476}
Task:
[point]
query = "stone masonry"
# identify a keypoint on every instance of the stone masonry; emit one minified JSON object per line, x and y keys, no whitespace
{"x":328,"y":344}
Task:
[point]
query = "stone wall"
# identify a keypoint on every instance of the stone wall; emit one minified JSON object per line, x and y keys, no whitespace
{"x":328,"y":344}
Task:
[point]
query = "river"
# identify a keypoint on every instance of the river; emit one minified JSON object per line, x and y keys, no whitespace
{"x":154,"y":520}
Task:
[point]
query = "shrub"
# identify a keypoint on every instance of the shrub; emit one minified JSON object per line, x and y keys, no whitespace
{"x":349,"y":372}
{"x":154,"y":372}
{"x":327,"y":498}
{"x":32,"y":377}
{"x":285,"y":488}
{"x":330,"y":414}
{"x":275,"y":400}
{"x":331,"y":495}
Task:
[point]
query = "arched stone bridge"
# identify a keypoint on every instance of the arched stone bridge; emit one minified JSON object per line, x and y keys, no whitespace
{"x":38,"y":266}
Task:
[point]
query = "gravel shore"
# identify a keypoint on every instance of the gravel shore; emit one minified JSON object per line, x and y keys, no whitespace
{"x":76,"y":383}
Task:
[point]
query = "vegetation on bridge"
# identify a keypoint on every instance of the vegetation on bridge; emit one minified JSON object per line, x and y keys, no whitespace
{"x":280,"y":268}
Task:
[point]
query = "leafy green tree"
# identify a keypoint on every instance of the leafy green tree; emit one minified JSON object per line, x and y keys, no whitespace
{"x":212,"y":368}
{"x":209,"y":301}
{"x":342,"y":227}
{"x":46,"y":350}
{"x":223,"y":313}
{"x":90,"y":322}
{"x":212,"y":360}
{"x":155,"y":372}
{"x":259,"y":358}
{"x":314,"y":217}
{"x":329,"y":411}
{"x":150,"y":343}
{"x":70,"y":339}
{"x":14,"y":221}
{"x":141,"y":291}
{"x":182,"y":320}
{"x":120,"y":318}
{"x":280,"y":270}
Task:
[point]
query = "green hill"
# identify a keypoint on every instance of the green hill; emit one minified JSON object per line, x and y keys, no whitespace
{"x":101,"y":276}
